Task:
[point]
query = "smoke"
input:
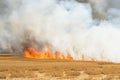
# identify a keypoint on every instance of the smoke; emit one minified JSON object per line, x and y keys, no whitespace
{"x":62,"y":25}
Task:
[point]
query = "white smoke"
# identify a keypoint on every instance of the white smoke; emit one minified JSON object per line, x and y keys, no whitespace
{"x":62,"y":25}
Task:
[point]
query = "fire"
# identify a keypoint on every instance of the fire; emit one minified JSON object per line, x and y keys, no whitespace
{"x":32,"y":53}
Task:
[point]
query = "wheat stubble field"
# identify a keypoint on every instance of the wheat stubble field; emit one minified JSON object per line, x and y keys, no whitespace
{"x":19,"y":68}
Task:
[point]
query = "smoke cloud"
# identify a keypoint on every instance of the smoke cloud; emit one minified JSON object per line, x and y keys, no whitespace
{"x":62,"y":25}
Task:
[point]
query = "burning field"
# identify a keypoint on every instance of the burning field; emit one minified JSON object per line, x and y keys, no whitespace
{"x":60,"y":40}
{"x":14,"y":67}
{"x":64,"y":29}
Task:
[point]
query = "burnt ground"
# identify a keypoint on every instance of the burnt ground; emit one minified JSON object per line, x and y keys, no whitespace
{"x":19,"y":68}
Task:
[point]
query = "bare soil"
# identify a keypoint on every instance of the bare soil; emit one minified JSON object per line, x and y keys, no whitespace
{"x":18,"y":68}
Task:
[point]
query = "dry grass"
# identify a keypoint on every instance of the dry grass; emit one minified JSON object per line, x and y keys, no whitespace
{"x":17,"y":67}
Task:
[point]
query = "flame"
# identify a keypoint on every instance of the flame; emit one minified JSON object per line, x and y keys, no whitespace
{"x":32,"y":53}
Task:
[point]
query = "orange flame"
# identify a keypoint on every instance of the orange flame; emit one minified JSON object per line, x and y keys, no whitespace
{"x":32,"y":53}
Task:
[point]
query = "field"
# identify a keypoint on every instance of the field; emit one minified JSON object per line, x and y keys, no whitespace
{"x":19,"y":68}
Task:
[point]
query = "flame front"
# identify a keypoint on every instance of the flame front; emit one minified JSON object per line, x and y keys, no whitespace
{"x":32,"y":53}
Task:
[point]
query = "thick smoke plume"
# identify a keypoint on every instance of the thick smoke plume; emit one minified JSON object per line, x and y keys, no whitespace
{"x":62,"y":25}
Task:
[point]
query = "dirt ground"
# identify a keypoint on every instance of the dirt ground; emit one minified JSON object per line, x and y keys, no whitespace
{"x":19,"y":68}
